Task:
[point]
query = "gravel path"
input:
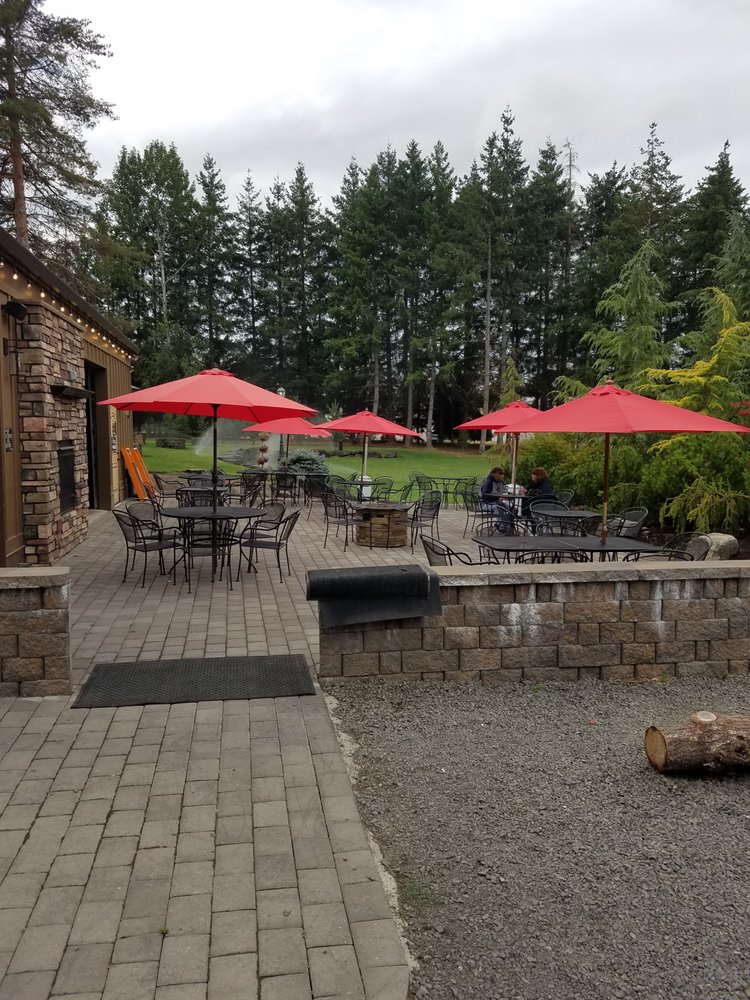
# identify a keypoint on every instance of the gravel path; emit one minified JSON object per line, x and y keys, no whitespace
{"x":537,"y":853}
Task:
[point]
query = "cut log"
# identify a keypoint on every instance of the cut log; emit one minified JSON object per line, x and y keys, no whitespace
{"x":708,"y":741}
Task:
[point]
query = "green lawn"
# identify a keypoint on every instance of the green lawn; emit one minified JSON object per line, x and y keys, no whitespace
{"x":432,"y":462}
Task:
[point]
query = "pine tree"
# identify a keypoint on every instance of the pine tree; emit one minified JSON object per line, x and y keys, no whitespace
{"x":47,"y":177}
{"x":546,"y":227}
{"x":634,"y":307}
{"x":215,"y":265}
{"x":248,"y":287}
{"x":733,"y":267}
{"x":719,"y":195}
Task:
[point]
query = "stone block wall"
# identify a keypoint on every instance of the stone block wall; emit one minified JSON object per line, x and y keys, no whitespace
{"x":34,"y":632}
{"x":561,"y":623}
{"x":50,"y":351}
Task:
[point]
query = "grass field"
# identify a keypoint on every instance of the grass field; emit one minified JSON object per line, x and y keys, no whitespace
{"x":432,"y":462}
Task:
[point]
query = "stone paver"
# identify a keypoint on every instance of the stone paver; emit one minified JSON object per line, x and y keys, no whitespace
{"x":189,"y":852}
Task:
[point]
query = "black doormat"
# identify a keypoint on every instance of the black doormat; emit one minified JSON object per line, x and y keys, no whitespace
{"x":165,"y":682}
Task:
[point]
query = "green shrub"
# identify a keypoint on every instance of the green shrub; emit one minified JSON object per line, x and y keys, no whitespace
{"x":171,"y":442}
{"x":309,"y":462}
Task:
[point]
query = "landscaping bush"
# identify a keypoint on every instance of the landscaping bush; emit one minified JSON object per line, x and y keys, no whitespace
{"x":171,"y":442}
{"x":309,"y":462}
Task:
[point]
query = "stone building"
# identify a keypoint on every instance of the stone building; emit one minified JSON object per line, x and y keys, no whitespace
{"x":60,"y":454}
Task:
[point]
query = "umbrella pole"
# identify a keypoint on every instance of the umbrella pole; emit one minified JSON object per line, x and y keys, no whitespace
{"x":364,"y":456}
{"x":605,"y":504}
{"x":515,"y":462}
{"x":215,"y":407}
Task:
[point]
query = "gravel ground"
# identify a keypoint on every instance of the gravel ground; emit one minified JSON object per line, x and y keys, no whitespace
{"x":537,"y":853}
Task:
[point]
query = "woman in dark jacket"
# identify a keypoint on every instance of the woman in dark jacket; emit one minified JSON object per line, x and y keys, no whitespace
{"x":538,"y":487}
{"x":492,"y":488}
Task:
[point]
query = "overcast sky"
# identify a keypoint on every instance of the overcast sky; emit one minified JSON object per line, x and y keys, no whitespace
{"x":263,"y":85}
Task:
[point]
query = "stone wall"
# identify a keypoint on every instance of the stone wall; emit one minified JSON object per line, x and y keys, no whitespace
{"x":620,"y":621}
{"x":50,"y":352}
{"x":34,"y":632}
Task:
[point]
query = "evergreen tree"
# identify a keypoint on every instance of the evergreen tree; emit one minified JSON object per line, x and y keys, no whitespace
{"x":634,"y":307}
{"x":248,"y":277}
{"x":47,"y":177}
{"x":733,"y":268}
{"x":547,"y":228}
{"x":215,"y":265}
{"x":719,"y":196}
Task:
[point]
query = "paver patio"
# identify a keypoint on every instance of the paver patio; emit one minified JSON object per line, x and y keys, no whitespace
{"x":205,"y":851}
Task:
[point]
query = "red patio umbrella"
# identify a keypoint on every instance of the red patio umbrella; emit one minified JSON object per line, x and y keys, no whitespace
{"x":608,"y":409}
{"x":212,"y":393}
{"x":289,"y":426}
{"x":502,"y":420}
{"x":367,"y":423}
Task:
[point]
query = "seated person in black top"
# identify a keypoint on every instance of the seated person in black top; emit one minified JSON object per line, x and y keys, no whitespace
{"x":538,"y":487}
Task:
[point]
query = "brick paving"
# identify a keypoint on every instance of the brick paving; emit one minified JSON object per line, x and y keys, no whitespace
{"x":206,"y":851}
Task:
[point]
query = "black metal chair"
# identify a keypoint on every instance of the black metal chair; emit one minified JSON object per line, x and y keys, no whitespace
{"x":691,"y":546}
{"x":276,"y":540}
{"x":381,"y":487}
{"x":337,"y":512}
{"x":425,"y":514}
{"x":439,"y":554}
{"x":564,"y":496}
{"x":628,"y":523}
{"x":142,"y":533}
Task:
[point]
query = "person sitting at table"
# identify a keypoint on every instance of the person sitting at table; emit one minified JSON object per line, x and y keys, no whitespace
{"x":538,"y":487}
{"x":492,"y":489}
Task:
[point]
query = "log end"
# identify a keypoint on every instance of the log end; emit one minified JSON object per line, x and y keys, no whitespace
{"x":656,"y":748}
{"x":703,"y":719}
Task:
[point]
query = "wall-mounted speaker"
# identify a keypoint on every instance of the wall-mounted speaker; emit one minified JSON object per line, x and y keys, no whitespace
{"x":15,"y":309}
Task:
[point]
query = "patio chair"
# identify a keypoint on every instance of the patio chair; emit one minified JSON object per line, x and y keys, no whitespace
{"x":143,"y":534}
{"x":473,"y":506}
{"x":337,"y":512}
{"x":424,"y":484}
{"x":551,"y":525}
{"x":564,"y":496}
{"x":264,"y":526}
{"x":691,"y":546}
{"x":314,"y":488}
{"x":276,"y":540}
{"x":381,"y":487}
{"x":439,"y":554}
{"x":628,"y":523}
{"x":348,"y":491}
{"x":424,"y":514}
{"x":165,"y":485}
{"x":285,"y":486}
{"x":252,"y":484}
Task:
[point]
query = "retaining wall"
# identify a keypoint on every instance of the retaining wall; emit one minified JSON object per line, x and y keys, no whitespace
{"x":570,"y":622}
{"x":34,"y":632}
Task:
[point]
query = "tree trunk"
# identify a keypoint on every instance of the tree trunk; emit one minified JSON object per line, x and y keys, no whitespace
{"x":15,"y":146}
{"x":375,"y":379}
{"x":409,"y":392}
{"x":487,"y":342}
{"x":707,"y":741}
{"x":430,"y":403}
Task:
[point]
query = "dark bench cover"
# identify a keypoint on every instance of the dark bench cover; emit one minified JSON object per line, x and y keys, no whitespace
{"x":373,"y":594}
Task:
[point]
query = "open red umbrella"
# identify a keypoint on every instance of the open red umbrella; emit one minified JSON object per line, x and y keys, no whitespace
{"x":212,"y":393}
{"x":608,"y":409}
{"x":367,"y":423}
{"x":289,"y":426}
{"x":502,"y":420}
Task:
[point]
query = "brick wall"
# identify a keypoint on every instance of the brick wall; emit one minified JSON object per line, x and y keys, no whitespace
{"x":608,"y":621}
{"x":34,"y":632}
{"x":50,"y":351}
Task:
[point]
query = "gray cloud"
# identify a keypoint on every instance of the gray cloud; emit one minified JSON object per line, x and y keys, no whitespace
{"x":593,"y":72}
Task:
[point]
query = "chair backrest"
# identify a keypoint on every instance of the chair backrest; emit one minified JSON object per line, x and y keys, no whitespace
{"x":187,"y":497}
{"x":693,"y":543}
{"x":146,"y":512}
{"x":272,"y":514}
{"x":205,"y":481}
{"x":126,"y":523}
{"x":437,"y":553}
{"x":381,"y":486}
{"x":315,"y":486}
{"x":251,"y":493}
{"x":348,"y":491}
{"x":471,"y":501}
{"x":628,"y":522}
{"x":166,"y":485}
{"x":424,"y":483}
{"x":286,"y":527}
{"x":334,"y":506}
{"x":558,"y":526}
{"x":546,"y":506}
{"x":564,"y":496}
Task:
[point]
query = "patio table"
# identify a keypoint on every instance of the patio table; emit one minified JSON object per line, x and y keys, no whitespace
{"x":557,"y":545}
{"x":187,"y":515}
